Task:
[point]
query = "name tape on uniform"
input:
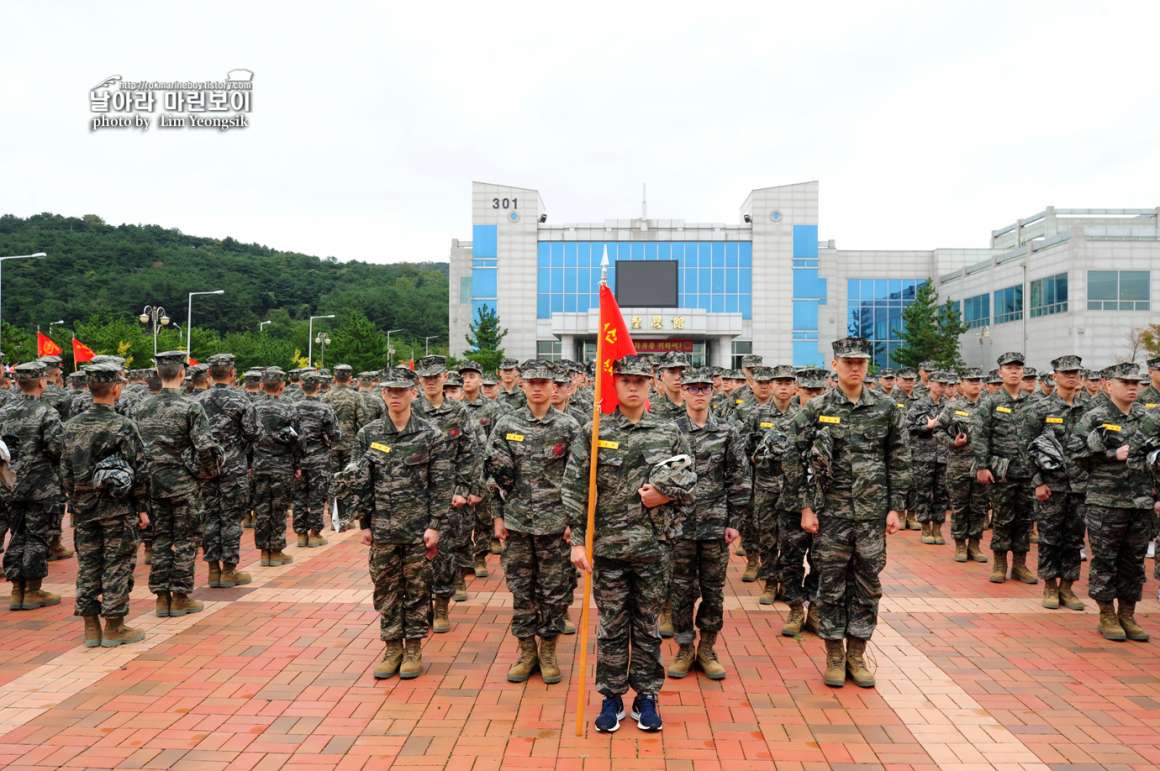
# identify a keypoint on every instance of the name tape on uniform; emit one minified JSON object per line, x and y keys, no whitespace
{"x":383,"y":448}
{"x":832,"y":420}
{"x":514,"y":437}
{"x":608,"y":444}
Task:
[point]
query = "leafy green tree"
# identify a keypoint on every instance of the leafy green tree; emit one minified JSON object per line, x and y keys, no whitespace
{"x":357,"y":342}
{"x":929,"y":331}
{"x":486,"y":338}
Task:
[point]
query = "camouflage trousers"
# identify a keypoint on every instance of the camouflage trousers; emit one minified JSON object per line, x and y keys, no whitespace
{"x":55,"y":523}
{"x":628,"y":646}
{"x":311,"y":491}
{"x":850,"y":555}
{"x":698,"y":572}
{"x":765,"y":524}
{"x":539,"y":573}
{"x":401,"y":574}
{"x":223,"y":502}
{"x":482,"y":531}
{"x":106,"y":556}
{"x":1061,"y":526}
{"x":1011,"y":517}
{"x":339,"y":458}
{"x":968,"y":503}
{"x":1119,"y":539}
{"x":797,"y":550}
{"x":27,"y":555}
{"x":176,"y":526}
{"x":271,"y":498}
{"x":446,"y":563}
{"x":930,"y":491}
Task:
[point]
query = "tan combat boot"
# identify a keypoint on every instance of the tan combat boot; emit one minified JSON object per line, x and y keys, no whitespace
{"x":769,"y":596}
{"x":412,"y":665}
{"x":92,"y":631}
{"x":388,"y":665}
{"x":835,"y":676}
{"x":303,"y":540}
{"x":265,"y":558}
{"x":707,"y":657}
{"x":231,"y":576}
{"x":927,"y":536}
{"x":856,"y":663}
{"x":481,"y":568}
{"x":215,"y":575}
{"x":751,"y":564}
{"x":279,"y":557}
{"x":58,"y":551}
{"x":315,"y":539}
{"x":665,"y":620}
{"x":569,"y":627}
{"x":441,"y":622}
{"x":1050,"y":594}
{"x":999,"y":568}
{"x":35,"y":597}
{"x":813,"y":619}
{"x":911,"y":521}
{"x":936,"y":534}
{"x":495,"y":547}
{"x":116,"y":633}
{"x":793,"y":622}
{"x":549,"y":668}
{"x":460,"y":589}
{"x":1110,"y":624}
{"x":1067,"y":596}
{"x":148,"y":558}
{"x":161,"y":606}
{"x":975,"y":550}
{"x":183,"y":605}
{"x":1019,"y":571}
{"x":680,"y":665}
{"x":960,"y":550}
{"x":527,"y":662}
{"x":248,"y":520}
{"x":740,"y":551}
{"x":1127,"y":616}
{"x":17,"y":601}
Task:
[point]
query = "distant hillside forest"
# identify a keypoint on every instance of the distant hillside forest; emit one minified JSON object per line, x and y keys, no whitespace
{"x":97,"y":279}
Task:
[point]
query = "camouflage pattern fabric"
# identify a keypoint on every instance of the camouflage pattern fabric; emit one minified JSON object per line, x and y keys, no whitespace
{"x":318,"y":434}
{"x":795,"y":551}
{"x":226,"y":498}
{"x":850,"y":555}
{"x":1059,"y":519}
{"x":33,"y":432}
{"x":628,"y":596}
{"x":539,"y":575}
{"x":1119,"y":539}
{"x":769,"y":436}
{"x":276,"y":449}
{"x":698,"y":572}
{"x":998,"y":437}
{"x":485,"y":413}
{"x":966,"y":498}
{"x":106,"y":550}
{"x":524,"y":467}
{"x":176,"y":524}
{"x":401,"y":574}
{"x":928,"y":475}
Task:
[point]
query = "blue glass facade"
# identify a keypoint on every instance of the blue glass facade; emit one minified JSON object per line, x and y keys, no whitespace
{"x":716,"y":276}
{"x":809,"y":291}
{"x":874,"y":311}
{"x":484,"y":262}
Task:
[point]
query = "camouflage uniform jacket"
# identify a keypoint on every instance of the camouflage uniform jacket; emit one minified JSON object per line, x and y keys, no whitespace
{"x":664,"y":408}
{"x":177,"y":441}
{"x":32,"y":430}
{"x":856,"y":453}
{"x":524,"y":465}
{"x":318,"y":432}
{"x":226,"y":409}
{"x":453,"y":419}
{"x":1097,"y":436}
{"x":1000,"y":431}
{"x":90,"y":437}
{"x":1149,"y":398}
{"x":928,"y":445}
{"x":1052,"y":415}
{"x":57,"y":398}
{"x":958,"y":414}
{"x":625,"y":529}
{"x":350,"y":413}
{"x":721,"y":497}
{"x":400,"y":484}
{"x":511,"y":400}
{"x":274,"y":424}
{"x":760,"y":420}
{"x":373,"y":405}
{"x":485,"y":413}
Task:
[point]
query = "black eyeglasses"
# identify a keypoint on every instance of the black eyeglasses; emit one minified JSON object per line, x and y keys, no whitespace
{"x":698,"y":388}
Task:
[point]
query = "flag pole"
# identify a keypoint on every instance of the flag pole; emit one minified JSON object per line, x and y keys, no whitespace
{"x":593,"y":451}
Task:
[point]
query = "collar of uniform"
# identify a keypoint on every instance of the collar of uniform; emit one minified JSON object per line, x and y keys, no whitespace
{"x":219,"y":385}
{"x":647,"y":420}
{"x":866,"y":397}
{"x":525,"y":412}
{"x":410,"y":428}
{"x":712,"y":424}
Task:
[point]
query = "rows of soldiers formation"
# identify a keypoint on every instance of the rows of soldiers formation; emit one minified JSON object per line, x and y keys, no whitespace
{"x":805,"y":470}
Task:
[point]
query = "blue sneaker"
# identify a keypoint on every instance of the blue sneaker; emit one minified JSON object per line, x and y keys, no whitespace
{"x":611,"y":713}
{"x":644,"y":712}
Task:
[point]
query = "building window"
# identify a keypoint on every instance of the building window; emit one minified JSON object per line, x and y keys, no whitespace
{"x":1049,"y":295}
{"x":548,"y":349}
{"x":1008,"y":304}
{"x":740,"y":348}
{"x":977,"y":311}
{"x":1119,"y":290}
{"x":874,"y":311}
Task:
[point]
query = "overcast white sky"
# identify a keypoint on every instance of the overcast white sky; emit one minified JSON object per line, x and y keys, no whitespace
{"x":927,"y":124}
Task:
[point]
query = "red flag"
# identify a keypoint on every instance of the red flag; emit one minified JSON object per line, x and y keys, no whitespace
{"x":81,"y":352}
{"x":46,"y":346}
{"x":411,"y":364}
{"x":617,"y":344}
{"x":193,"y":362}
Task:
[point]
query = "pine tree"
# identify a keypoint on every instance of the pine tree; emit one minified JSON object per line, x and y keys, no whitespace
{"x":485,"y":338}
{"x":930,"y":332}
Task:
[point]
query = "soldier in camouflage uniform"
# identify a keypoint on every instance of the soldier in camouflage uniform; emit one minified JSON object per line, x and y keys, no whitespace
{"x":669,"y":404}
{"x":276,"y":450}
{"x":1149,"y":398}
{"x":633,"y":524}
{"x":721,"y":502}
{"x":225,"y":498}
{"x":252,"y":384}
{"x":369,"y":392}
{"x":399,"y":486}
{"x":181,"y":450}
{"x":854,"y":446}
{"x":926,"y":446}
{"x":1058,"y":484}
{"x":318,"y":433}
{"x":965,"y":496}
{"x":57,"y":397}
{"x":351,"y":414}
{"x":510,"y":395}
{"x":32,"y":431}
{"x":293,"y":390}
{"x":999,"y":443}
{"x":106,"y":479}
{"x":484,"y":412}
{"x":1118,"y":500}
{"x":523,"y":466}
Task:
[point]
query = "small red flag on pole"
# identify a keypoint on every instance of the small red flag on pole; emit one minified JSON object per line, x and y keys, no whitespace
{"x":46,"y":346}
{"x":81,"y":353}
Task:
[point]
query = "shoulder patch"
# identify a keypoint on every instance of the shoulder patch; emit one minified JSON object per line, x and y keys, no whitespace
{"x":383,"y":448}
{"x":608,"y":444}
{"x":832,"y":420}
{"x":514,"y":437}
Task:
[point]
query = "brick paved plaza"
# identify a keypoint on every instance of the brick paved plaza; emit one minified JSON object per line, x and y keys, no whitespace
{"x":278,"y":674}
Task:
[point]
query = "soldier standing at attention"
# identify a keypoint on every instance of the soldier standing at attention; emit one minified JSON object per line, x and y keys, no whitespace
{"x":275,"y":462}
{"x":180,"y":450}
{"x":965,"y":496}
{"x":225,"y":498}
{"x":60,"y":399}
{"x":107,"y":482}
{"x":252,"y":384}
{"x":928,"y":476}
{"x":999,"y":442}
{"x":509,"y":394}
{"x":760,"y":530}
{"x":484,"y":412}
{"x":399,"y":488}
{"x":854,"y":443}
{"x":32,"y":430}
{"x":523,"y":467}
{"x":629,"y":552}
{"x":721,"y":502}
{"x":669,"y":403}
{"x":1150,"y":397}
{"x":368,"y":391}
{"x":351,"y":414}
{"x":318,"y":433}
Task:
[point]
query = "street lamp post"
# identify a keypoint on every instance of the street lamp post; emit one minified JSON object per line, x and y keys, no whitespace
{"x":156,"y":317}
{"x":427,"y":344}
{"x":12,"y":257}
{"x":310,"y":337}
{"x":323,"y":340}
{"x":262,"y":325}
{"x":391,"y":351}
{"x":189,"y":320}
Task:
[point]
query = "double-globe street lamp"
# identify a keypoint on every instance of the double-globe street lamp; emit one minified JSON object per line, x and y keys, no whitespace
{"x":155,"y":317}
{"x":310,"y":337}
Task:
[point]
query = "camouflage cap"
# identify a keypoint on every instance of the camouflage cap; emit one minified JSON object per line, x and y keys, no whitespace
{"x":1045,"y":377}
{"x":673,"y":360}
{"x":273,"y":375}
{"x":107,"y":358}
{"x":993,"y":376}
{"x":702,"y":376}
{"x":76,"y":377}
{"x":490,"y":379}
{"x":784,"y":372}
{"x":1154,"y":362}
{"x":470,"y":366}
{"x":51,"y":361}
{"x":906,"y":373}
{"x":971,"y":373}
{"x":563,"y":376}
{"x":812,"y":377}
{"x":927,"y":365}
{"x":343,"y":368}
{"x":633,"y":365}
{"x":170,"y":357}
{"x":886,"y":373}
{"x":750,"y":360}
{"x":509,"y":364}
{"x":1091,"y":374}
{"x":221,"y":360}
{"x":430,"y":366}
{"x":762,"y":373}
{"x":946,"y":378}
{"x":103,"y":373}
{"x":537,"y":369}
{"x":397,"y":377}
{"x":733,"y":374}
{"x":453,"y":381}
{"x":852,"y":348}
{"x":29,"y":370}
{"x":1067,"y":363}
{"x":1030,"y":372}
{"x":312,"y":377}
{"x":252,"y":375}
{"x":368,"y":376}
{"x":1125,"y":370}
{"x":1010,"y":357}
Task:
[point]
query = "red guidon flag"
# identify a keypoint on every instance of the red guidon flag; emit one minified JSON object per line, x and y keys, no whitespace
{"x":193,"y":362}
{"x":46,"y":346}
{"x":616,"y":344}
{"x":81,"y":352}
